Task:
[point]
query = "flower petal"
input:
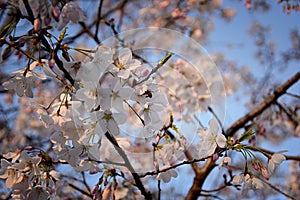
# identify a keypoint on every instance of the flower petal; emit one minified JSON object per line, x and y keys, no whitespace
{"x":221,"y":140}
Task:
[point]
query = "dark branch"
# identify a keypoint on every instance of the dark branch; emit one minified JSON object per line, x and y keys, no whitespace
{"x":263,"y":106}
{"x":98,"y":18}
{"x":136,"y":177}
{"x":29,"y":11}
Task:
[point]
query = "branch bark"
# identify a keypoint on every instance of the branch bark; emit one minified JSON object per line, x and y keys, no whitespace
{"x":263,"y":106}
{"x":201,"y":175}
{"x":136,"y":177}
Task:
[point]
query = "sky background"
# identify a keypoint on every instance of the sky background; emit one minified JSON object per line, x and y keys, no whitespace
{"x":236,"y":34}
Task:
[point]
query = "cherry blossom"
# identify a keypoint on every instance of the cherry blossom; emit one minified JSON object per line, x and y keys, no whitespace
{"x":125,"y":63}
{"x":225,"y":161}
{"x":115,"y":96}
{"x":22,"y":85}
{"x":210,"y":139}
{"x":70,"y":12}
{"x":108,"y":121}
{"x":9,"y":173}
{"x":249,"y":181}
{"x":166,"y":176}
{"x":88,"y":94}
{"x":276,"y":159}
{"x":94,"y":69}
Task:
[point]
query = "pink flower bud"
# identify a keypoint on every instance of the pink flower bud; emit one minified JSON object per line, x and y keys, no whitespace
{"x":37,"y":25}
{"x":264,"y":172}
{"x":215,"y":156}
{"x":255,"y":165}
{"x":95,"y":189}
{"x":28,"y":148}
{"x":56,"y":13}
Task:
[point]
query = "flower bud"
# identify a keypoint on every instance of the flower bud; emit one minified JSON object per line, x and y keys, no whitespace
{"x":264,"y":172}
{"x":37,"y":25}
{"x":106,"y":194}
{"x":255,"y":165}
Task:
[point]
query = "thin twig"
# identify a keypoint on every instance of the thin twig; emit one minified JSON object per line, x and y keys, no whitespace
{"x":98,"y":18}
{"x":85,"y":183}
{"x":157,"y":67}
{"x":277,"y":189}
{"x":269,"y":153}
{"x":80,"y":190}
{"x":29,"y":11}
{"x":217,"y":118}
{"x":186,"y":162}
{"x":293,"y":95}
{"x":17,"y":48}
{"x":289,"y":115}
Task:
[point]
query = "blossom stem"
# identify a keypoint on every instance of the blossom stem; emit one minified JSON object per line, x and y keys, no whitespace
{"x":143,"y":122}
{"x":217,"y":118}
{"x":158,"y":66}
{"x":49,"y":105}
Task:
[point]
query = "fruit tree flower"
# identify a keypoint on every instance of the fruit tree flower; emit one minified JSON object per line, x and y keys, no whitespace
{"x":167,"y":175}
{"x":23,"y":84}
{"x":108,"y":122}
{"x":70,"y":12}
{"x":249,"y":181}
{"x":125,"y":63}
{"x":225,"y":161}
{"x":114,"y":96}
{"x":276,"y":159}
{"x":210,"y":139}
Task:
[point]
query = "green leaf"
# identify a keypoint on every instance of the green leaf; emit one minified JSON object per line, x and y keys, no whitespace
{"x":247,"y":135}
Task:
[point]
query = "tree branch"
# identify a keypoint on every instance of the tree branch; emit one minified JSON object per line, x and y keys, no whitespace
{"x":201,"y":175}
{"x":186,"y":162}
{"x":263,"y":106}
{"x":98,"y":18}
{"x":136,"y":177}
{"x":29,"y":11}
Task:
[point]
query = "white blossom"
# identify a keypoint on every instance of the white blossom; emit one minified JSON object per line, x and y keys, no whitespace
{"x":108,"y":121}
{"x":167,"y":175}
{"x":249,"y":181}
{"x":114,"y":96}
{"x":125,"y":63}
{"x":225,"y":161}
{"x":70,"y":12}
{"x":276,"y":159}
{"x":210,"y":139}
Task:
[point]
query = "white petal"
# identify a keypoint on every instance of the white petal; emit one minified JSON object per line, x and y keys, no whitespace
{"x":20,"y":88}
{"x":238,"y":179}
{"x":173,"y":173}
{"x":257,"y":183}
{"x":124,"y":74}
{"x":278,"y":158}
{"x":125,"y":55}
{"x":271,"y":166}
{"x":113,"y":128}
{"x":213,"y":124}
{"x":100,"y":130}
{"x":221,"y":140}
